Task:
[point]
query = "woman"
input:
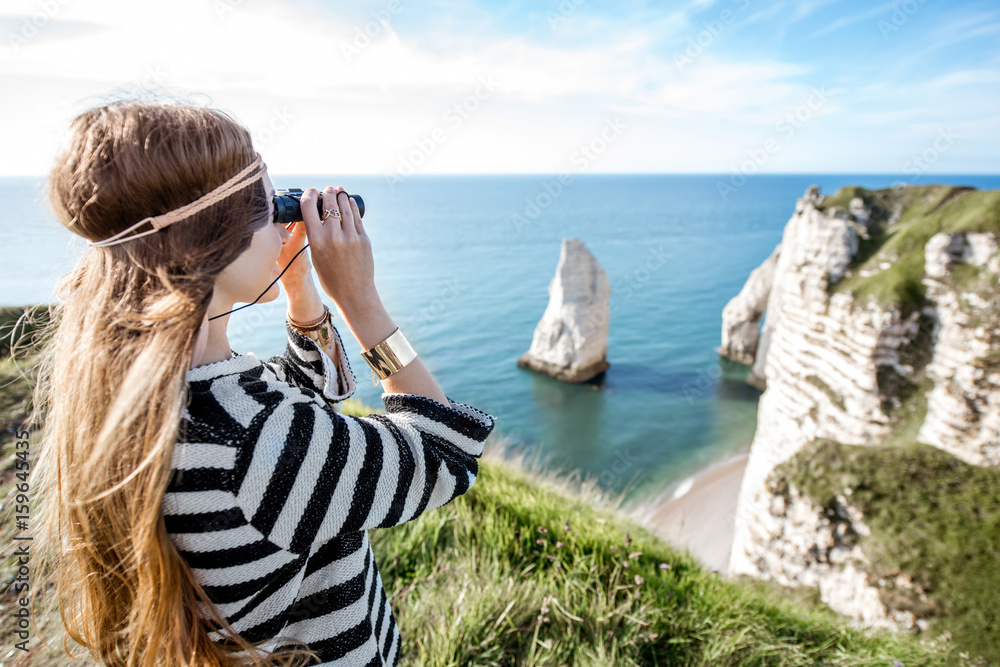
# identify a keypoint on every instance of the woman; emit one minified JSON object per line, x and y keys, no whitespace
{"x":200,"y":506}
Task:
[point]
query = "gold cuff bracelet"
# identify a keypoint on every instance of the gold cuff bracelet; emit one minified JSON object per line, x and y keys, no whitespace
{"x":389,"y":356}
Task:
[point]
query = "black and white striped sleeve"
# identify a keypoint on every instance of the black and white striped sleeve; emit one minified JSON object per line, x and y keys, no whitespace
{"x":313,"y":474}
{"x":304,"y":364}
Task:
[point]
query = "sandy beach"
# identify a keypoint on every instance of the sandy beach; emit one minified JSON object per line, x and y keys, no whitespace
{"x":702,"y":518}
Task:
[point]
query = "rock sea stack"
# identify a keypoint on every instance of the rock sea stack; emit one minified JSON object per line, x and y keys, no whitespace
{"x":570,"y":342}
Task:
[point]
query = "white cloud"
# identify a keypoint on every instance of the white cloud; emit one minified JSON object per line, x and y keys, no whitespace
{"x":853,"y":18}
{"x":313,"y":109}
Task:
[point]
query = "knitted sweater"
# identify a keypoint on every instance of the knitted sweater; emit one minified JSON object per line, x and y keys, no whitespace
{"x":273,"y":491}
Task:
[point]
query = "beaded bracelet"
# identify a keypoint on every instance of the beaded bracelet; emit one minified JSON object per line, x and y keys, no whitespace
{"x":312,"y":325}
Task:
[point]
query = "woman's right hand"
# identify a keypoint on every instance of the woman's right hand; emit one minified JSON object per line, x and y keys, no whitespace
{"x":342,"y":258}
{"x":341,"y":250}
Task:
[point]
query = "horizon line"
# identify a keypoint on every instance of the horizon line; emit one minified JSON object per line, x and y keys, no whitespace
{"x":603,"y":173}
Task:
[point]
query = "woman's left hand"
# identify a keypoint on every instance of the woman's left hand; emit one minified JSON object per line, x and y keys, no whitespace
{"x":301,"y":269}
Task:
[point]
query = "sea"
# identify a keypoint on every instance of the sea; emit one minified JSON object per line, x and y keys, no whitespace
{"x":463,"y":264}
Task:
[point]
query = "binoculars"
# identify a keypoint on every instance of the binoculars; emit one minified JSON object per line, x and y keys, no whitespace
{"x":288,"y":205}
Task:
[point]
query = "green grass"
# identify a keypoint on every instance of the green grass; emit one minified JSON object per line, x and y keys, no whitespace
{"x":842,"y":198}
{"x":517,"y":572}
{"x":23,"y":331}
{"x":922,"y":212}
{"x":471,"y":584}
{"x":932,"y":517}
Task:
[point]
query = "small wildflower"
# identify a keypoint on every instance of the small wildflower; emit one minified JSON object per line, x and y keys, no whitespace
{"x":626,"y":563}
{"x":628,"y":540}
{"x":639,"y":581}
{"x":664,"y":566}
{"x":897,"y":663}
{"x":543,"y":530}
{"x":559,"y":545}
{"x":541,"y":542}
{"x":715,"y":569}
{"x":634,"y":555}
{"x":654,"y":635}
{"x":612,"y":547}
{"x":550,"y":557}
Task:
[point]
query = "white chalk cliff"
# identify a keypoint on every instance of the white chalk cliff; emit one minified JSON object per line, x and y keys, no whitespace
{"x":827,"y":361}
{"x":570,"y":342}
{"x":963,"y":409}
{"x":742,"y":315}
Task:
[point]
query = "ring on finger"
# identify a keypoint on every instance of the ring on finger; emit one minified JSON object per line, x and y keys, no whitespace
{"x":331,"y":213}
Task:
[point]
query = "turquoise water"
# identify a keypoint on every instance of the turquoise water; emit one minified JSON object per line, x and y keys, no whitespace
{"x":467,"y":282}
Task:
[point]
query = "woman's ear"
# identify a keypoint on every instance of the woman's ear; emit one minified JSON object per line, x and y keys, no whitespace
{"x":200,"y":342}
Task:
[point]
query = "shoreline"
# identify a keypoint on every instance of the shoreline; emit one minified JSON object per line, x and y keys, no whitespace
{"x":698,"y":513}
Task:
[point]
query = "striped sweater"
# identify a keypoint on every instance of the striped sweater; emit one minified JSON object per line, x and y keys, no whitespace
{"x":273,"y":491}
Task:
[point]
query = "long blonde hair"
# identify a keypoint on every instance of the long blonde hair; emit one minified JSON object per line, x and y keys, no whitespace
{"x":112,"y":378}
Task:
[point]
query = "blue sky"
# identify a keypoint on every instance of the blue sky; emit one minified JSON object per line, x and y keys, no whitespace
{"x":516,"y":87}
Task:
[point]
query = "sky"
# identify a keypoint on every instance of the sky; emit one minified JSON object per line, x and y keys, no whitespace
{"x":396,"y":87}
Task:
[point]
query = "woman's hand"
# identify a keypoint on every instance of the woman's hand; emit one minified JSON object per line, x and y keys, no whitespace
{"x":301,"y":269}
{"x":341,"y":250}
{"x":342,"y":254}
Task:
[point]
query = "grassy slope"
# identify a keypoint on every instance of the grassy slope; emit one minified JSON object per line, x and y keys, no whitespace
{"x":932,"y":517}
{"x":515,"y":572}
{"x":924,"y":211}
{"x":471,"y":584}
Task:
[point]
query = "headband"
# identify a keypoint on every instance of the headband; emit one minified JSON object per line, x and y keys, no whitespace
{"x":234,"y":184}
